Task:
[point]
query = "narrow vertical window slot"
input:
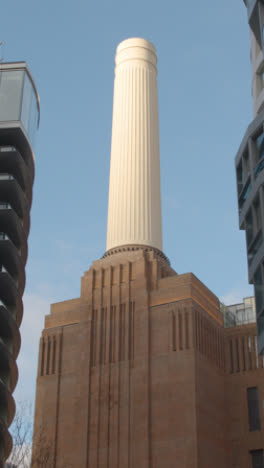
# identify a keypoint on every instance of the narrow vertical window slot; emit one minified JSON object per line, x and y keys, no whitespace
{"x":173,"y":332}
{"x":54,"y":356}
{"x":43,"y":357}
{"x":186,"y":330}
{"x":180,"y":330}
{"x":231,"y":357}
{"x":48,"y":358}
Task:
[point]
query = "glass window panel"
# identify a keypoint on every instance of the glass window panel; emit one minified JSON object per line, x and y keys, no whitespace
{"x":29,"y":113}
{"x":260,"y":145}
{"x":260,"y":323}
{"x":10,"y":94}
{"x":257,"y":214}
{"x":259,"y":290}
{"x":25,"y":111}
{"x":249,"y":227}
{"x":240,"y":178}
{"x":246,"y":165}
{"x":34,"y":114}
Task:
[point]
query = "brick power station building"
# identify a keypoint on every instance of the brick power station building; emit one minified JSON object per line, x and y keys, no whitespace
{"x":144,"y":369}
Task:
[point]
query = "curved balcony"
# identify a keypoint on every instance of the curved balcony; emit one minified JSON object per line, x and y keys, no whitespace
{"x":6,"y":442}
{"x":10,"y":258}
{"x":25,"y":222}
{"x":8,"y":288}
{"x":8,"y":367}
{"x":18,"y":311}
{"x":11,"y":192}
{"x":11,"y":162}
{"x":13,"y":134}
{"x":7,"y":405}
{"x":11,"y":224}
{"x":9,"y":331}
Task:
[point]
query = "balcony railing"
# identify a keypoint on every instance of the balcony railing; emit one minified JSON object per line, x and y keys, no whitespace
{"x":4,"y":270}
{"x":237,"y":317}
{"x":7,"y":149}
{"x":6,"y":176}
{"x":4,"y":236}
{"x":5,"y":206}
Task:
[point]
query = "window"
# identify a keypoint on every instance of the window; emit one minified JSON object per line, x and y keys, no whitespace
{"x":253,"y":409}
{"x":257,"y":458}
{"x":259,"y":289}
{"x":260,"y":79}
{"x":257,"y":214}
{"x":240,"y":178}
{"x":260,"y":324}
{"x":260,"y":145}
{"x":246,"y":165}
{"x":249,"y":227}
{"x":244,"y":194}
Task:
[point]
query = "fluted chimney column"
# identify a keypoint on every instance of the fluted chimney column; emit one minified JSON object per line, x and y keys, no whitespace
{"x":134,"y":208}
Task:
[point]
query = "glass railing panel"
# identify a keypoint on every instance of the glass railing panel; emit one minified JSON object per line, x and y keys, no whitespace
{"x":5,"y":206}
{"x":29,"y":111}
{"x":4,"y":236}
{"x":245,"y":316}
{"x":7,"y":149}
{"x":11,"y":85}
{"x":6,"y":177}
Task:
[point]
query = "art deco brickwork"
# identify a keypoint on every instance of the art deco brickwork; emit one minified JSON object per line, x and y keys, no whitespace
{"x":138,"y":372}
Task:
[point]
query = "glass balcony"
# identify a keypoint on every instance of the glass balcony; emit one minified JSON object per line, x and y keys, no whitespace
{"x":19,"y":101}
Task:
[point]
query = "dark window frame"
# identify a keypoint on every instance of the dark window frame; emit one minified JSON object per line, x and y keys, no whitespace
{"x":257,"y":459}
{"x":253,"y":409}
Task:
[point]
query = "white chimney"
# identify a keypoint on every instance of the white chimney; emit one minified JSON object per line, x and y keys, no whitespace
{"x":134,"y":207}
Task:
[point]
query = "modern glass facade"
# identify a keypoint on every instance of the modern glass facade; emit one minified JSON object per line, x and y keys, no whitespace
{"x":250,"y":190}
{"x":250,"y":169}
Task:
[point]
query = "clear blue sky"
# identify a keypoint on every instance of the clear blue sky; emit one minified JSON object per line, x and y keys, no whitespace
{"x":204,"y":109}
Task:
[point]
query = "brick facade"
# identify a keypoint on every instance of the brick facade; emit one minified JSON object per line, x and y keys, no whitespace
{"x":139,"y":372}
